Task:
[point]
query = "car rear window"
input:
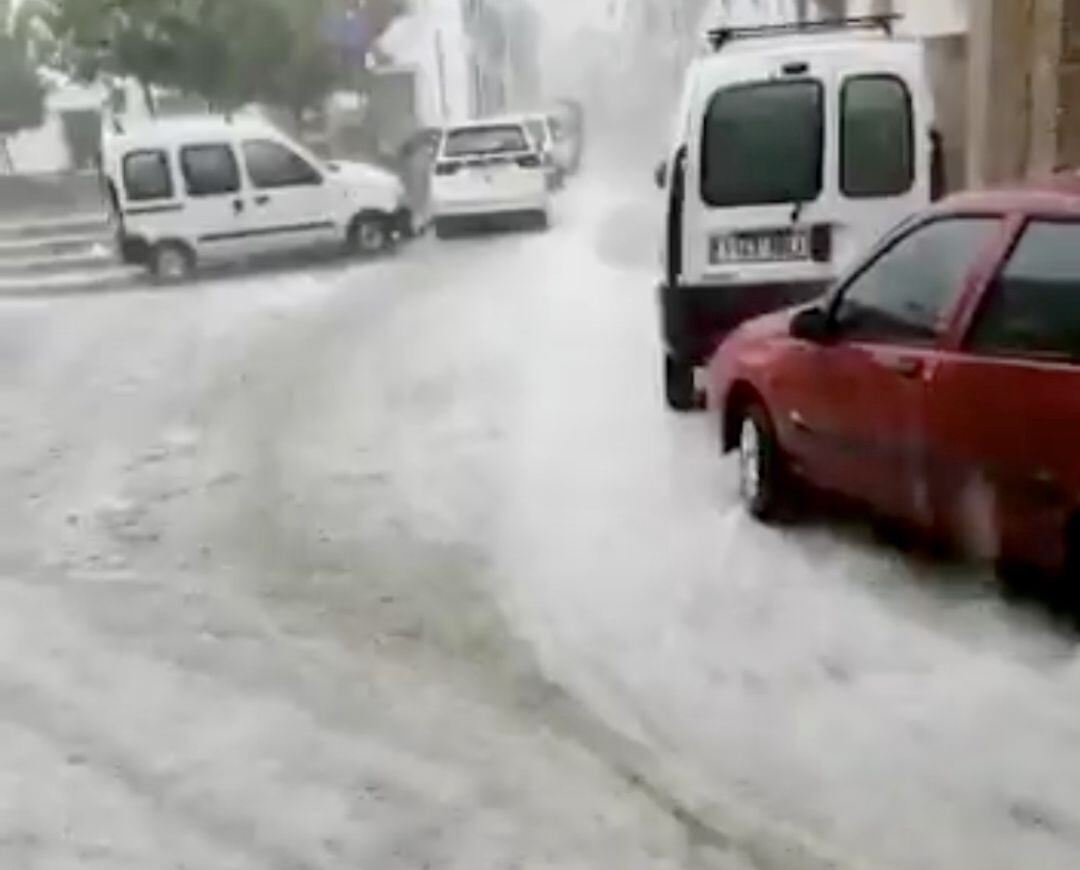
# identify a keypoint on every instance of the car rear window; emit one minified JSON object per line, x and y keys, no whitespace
{"x":147,"y":176}
{"x":497,"y":139}
{"x":1033,"y":306}
{"x":876,"y":137}
{"x":763,"y":144}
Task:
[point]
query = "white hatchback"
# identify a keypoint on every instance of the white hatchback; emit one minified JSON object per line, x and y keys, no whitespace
{"x":190,"y":190}
{"x":489,"y":168}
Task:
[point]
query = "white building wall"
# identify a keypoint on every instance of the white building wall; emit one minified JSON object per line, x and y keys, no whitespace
{"x":930,"y":18}
{"x":432,"y":40}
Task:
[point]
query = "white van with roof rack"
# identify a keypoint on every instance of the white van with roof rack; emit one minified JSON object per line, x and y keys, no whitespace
{"x":795,"y":147}
{"x":186,"y":191}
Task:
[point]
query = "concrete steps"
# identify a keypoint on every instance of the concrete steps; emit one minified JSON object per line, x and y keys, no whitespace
{"x":63,"y":254}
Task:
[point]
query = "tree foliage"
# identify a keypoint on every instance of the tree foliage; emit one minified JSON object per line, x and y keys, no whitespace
{"x":22,"y":98}
{"x":229,"y":52}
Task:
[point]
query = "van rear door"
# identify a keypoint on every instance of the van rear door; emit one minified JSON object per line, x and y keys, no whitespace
{"x":800,"y":161}
{"x":882,"y":172}
{"x":756,"y":182}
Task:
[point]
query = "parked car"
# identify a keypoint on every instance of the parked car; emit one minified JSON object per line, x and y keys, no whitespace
{"x":794,"y":148}
{"x":938,"y":383}
{"x":489,"y":168}
{"x":191,"y":190}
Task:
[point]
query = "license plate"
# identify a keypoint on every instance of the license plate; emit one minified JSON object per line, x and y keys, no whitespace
{"x":760,"y":246}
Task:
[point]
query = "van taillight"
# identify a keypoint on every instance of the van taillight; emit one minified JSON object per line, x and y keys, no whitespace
{"x":529,"y":161}
{"x":446,"y":168}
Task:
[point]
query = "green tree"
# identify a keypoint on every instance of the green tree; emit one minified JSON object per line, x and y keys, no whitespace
{"x":22,"y":97}
{"x":229,"y":52}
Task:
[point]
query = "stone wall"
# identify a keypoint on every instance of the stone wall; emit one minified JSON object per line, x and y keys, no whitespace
{"x":1024,"y":89}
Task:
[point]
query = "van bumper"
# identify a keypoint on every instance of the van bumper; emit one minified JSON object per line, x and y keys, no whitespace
{"x":134,"y":250}
{"x":695,"y":318}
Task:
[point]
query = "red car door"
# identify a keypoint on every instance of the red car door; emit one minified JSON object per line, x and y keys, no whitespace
{"x":856,"y":406}
{"x":1005,"y":408}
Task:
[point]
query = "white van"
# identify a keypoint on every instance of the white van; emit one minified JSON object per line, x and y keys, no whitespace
{"x":192,"y":190}
{"x":795,"y":147}
{"x":486,"y":169}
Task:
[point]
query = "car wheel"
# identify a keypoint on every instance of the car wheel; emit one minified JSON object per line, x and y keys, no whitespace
{"x":762,"y":476}
{"x":444,"y":229}
{"x":542,"y":221}
{"x":370,"y":235}
{"x":679,"y":389}
{"x":172,"y":262}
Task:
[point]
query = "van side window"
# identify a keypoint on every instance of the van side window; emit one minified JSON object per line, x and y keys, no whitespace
{"x":270,"y":164}
{"x":147,"y":176}
{"x":209,"y":169}
{"x":1032,"y":309}
{"x":877,"y":141}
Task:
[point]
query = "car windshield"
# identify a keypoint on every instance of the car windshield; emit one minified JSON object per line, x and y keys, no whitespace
{"x":763,"y":144}
{"x":497,"y":139}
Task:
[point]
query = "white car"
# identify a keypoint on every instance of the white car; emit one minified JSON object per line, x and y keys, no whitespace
{"x":489,"y":168}
{"x":200,"y":189}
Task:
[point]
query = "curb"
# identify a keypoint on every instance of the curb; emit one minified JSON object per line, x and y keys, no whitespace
{"x":113,"y":278}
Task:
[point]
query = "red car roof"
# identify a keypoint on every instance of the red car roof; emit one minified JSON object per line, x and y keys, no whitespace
{"x":1057,"y":195}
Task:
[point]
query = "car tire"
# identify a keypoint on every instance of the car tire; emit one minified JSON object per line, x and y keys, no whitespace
{"x":763,"y":477}
{"x":171,"y":262}
{"x":444,"y":229}
{"x":679,"y":388}
{"x":542,"y":221}
{"x":370,"y":235}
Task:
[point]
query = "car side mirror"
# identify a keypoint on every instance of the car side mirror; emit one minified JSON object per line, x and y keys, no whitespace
{"x":660,"y":174}
{"x":811,"y":324}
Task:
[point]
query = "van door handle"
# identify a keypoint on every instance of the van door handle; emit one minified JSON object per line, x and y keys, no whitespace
{"x":238,"y":206}
{"x":262,"y":200}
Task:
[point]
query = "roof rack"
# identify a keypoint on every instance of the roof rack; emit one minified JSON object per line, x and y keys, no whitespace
{"x":721,"y":36}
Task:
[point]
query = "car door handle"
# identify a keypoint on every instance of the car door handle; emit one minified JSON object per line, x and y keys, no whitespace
{"x":904,"y":366}
{"x":238,"y":206}
{"x":262,"y":200}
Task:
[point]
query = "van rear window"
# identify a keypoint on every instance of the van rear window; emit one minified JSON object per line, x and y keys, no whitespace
{"x":877,"y":138}
{"x":147,"y":176}
{"x":763,"y":144}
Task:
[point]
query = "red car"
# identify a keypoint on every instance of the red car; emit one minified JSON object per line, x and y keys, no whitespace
{"x":938,"y":383}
